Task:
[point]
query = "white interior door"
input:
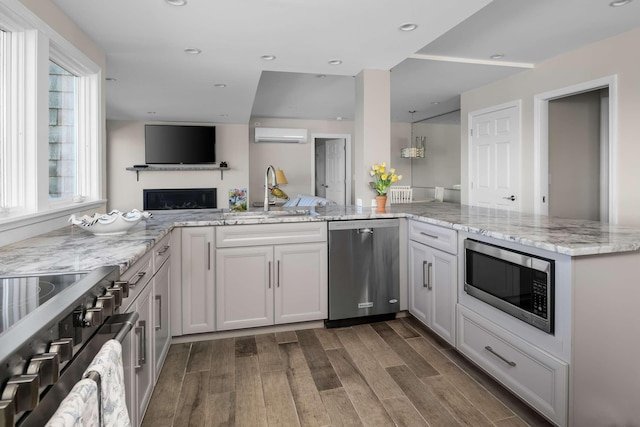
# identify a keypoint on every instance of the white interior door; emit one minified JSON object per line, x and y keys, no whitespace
{"x":495,"y":158}
{"x":335,"y":162}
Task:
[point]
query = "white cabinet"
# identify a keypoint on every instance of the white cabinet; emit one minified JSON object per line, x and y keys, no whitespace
{"x":433,"y":279}
{"x":161,"y":326}
{"x":145,"y":348}
{"x":198,"y":291}
{"x":270,"y":274}
{"x":244,"y":287}
{"x":142,"y":354}
{"x":300,"y":282}
{"x":539,"y":378}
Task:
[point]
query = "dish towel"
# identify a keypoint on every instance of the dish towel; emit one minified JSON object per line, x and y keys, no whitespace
{"x":79,"y":408}
{"x":108,"y":364}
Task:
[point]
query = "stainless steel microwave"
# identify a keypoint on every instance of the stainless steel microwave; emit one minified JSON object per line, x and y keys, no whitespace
{"x":517,"y":283}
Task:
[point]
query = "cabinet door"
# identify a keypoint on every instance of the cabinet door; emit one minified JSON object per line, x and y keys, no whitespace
{"x":443,"y":294}
{"x":432,"y":292}
{"x":143,"y":352}
{"x":300,"y":282}
{"x":198,"y":292}
{"x":418,"y":286}
{"x":161,"y":326}
{"x":244,"y":287}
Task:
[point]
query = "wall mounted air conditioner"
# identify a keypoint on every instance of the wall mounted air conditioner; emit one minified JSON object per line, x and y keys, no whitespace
{"x":296,"y":136}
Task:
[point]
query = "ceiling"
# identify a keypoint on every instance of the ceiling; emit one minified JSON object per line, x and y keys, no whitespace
{"x":155,"y":80}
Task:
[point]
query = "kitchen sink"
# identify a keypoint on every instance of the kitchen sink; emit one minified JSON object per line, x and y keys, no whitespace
{"x":284,"y":213}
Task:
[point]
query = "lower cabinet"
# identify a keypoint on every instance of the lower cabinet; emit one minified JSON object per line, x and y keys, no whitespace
{"x":433,"y":288}
{"x":146,"y":346}
{"x":161,"y":326}
{"x":536,"y":376}
{"x":266,"y":285}
{"x":138,"y":358}
{"x":198,"y":289}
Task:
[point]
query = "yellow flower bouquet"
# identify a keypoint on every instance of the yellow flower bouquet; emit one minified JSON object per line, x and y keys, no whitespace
{"x":383,"y":178}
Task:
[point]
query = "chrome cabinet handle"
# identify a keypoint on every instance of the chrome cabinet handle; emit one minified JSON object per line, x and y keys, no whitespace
{"x":163,"y":250}
{"x":426,"y":274}
{"x":159,"y":300}
{"x":139,"y":277}
{"x":278,"y":271}
{"x":208,"y":255}
{"x":142,"y":344}
{"x":511,"y":197}
{"x":269,"y":274}
{"x":508,"y":362}
{"x":433,"y":236}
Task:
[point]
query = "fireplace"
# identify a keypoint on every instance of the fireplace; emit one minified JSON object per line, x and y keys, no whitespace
{"x":181,"y":198}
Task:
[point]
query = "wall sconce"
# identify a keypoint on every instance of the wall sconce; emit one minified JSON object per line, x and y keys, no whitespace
{"x":414,"y":151}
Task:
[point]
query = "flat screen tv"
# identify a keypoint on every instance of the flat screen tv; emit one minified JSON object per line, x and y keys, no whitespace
{"x":177,"y":144}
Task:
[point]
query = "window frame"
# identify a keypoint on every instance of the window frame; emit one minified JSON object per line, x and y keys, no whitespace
{"x":24,"y":120}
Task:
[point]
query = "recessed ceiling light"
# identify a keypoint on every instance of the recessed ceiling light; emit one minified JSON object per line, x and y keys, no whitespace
{"x":268,"y":57}
{"x":220,"y":85}
{"x":224,"y":115}
{"x":338,"y":118}
{"x":408,"y":27}
{"x":111,"y":79}
{"x":618,"y":3}
{"x":497,"y":56}
{"x":435,"y":103}
{"x":193,"y":51}
{"x":321,"y":76}
{"x":177,"y":2}
{"x":335,"y":62}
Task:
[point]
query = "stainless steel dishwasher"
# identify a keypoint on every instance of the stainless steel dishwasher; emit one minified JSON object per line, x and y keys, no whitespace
{"x":364,"y":278}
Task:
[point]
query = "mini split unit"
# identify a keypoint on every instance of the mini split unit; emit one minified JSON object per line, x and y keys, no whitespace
{"x":296,"y":136}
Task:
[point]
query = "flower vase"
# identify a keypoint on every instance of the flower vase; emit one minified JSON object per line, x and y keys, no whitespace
{"x":381,"y":203}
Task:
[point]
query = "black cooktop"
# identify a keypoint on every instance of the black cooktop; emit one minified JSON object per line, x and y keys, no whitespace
{"x":21,"y":295}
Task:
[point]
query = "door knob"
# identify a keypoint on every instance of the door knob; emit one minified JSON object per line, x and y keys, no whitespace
{"x":512,"y":198}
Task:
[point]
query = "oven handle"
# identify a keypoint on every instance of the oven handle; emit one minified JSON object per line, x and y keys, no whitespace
{"x":117,"y":327}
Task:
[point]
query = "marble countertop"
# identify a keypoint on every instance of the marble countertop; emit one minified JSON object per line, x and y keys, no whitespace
{"x":74,"y":249}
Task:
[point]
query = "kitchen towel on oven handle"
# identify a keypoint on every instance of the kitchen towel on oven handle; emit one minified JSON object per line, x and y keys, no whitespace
{"x":79,"y":408}
{"x":108,"y":366}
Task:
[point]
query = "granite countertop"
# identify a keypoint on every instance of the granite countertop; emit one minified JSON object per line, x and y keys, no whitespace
{"x":74,"y":249}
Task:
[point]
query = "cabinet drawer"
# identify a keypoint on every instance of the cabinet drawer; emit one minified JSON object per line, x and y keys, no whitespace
{"x":138,"y":275}
{"x":161,"y":252}
{"x":434,"y":236}
{"x":229,"y":236}
{"x":537,"y":377}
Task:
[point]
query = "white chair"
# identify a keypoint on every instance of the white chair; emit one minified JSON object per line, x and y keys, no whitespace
{"x":439,"y":194}
{"x":400,"y":194}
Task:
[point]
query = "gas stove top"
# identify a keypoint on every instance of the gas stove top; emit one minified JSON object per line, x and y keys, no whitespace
{"x":21,"y":295}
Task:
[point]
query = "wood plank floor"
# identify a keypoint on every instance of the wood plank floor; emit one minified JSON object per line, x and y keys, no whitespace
{"x":394,"y":373}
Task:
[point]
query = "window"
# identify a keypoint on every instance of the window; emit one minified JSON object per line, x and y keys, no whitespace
{"x":62,"y":133}
{"x":46,"y":164}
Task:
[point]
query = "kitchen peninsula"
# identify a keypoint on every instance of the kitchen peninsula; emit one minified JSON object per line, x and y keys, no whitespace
{"x":596,"y":264}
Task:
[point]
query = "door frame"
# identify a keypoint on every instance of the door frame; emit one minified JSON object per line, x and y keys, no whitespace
{"x":347,"y":152}
{"x":541,"y":141}
{"x":470,"y":116}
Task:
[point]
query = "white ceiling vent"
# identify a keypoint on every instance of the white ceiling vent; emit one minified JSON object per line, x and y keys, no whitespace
{"x":296,"y":136}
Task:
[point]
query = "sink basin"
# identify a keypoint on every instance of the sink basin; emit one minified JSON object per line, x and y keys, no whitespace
{"x":269,"y":214}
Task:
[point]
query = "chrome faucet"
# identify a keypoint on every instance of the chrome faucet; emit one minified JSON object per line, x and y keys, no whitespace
{"x":266,"y":185}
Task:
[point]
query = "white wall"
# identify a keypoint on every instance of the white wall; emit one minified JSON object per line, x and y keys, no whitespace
{"x":294,"y":159}
{"x":614,"y":56}
{"x":441,"y":164}
{"x":125,"y":144}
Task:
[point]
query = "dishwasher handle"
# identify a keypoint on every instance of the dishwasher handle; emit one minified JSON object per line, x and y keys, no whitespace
{"x":365,"y":230}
